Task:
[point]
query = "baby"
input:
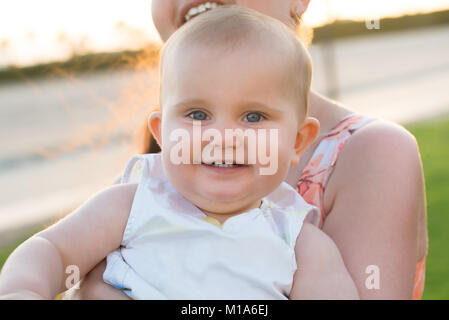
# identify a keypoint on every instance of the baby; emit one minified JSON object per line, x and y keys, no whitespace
{"x":210,"y":217}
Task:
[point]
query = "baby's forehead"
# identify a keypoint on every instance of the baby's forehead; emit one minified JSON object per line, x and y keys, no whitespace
{"x":267,"y":51}
{"x":271,"y":44}
{"x":225,"y":33}
{"x":245,"y":63}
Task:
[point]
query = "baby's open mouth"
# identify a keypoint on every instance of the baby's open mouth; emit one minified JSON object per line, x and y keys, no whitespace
{"x":223,"y":165}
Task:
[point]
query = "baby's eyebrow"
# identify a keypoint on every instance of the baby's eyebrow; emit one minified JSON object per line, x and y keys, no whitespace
{"x":246,"y":105}
{"x":190,"y":103}
{"x":260,"y":105}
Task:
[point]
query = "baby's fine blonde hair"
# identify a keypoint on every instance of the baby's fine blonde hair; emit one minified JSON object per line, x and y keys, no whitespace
{"x":229,"y":28}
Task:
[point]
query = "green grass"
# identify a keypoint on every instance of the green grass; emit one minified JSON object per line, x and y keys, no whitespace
{"x":433,"y":140}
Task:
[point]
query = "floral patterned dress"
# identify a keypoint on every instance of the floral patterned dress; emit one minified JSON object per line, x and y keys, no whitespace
{"x":314,"y":178}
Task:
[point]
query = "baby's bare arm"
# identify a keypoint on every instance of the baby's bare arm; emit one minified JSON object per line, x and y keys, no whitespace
{"x":36,"y":269}
{"x":321,"y":272}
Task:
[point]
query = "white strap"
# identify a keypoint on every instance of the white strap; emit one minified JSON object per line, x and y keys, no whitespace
{"x":126,"y":176}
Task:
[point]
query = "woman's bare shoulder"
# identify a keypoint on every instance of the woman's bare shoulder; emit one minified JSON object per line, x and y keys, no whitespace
{"x":382,"y":133}
{"x":380,"y":146}
{"x":379,"y":172}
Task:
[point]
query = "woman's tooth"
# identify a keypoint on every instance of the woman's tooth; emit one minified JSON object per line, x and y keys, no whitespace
{"x":200,"y":9}
{"x":193,"y":11}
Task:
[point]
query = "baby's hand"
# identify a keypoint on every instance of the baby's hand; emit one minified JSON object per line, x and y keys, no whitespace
{"x":21,"y":295}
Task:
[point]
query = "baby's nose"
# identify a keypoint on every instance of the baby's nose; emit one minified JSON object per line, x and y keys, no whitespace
{"x":228,"y":139}
{"x":232,"y":139}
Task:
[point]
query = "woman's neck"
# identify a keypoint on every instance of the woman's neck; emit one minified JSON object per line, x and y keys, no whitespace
{"x":327,"y":111}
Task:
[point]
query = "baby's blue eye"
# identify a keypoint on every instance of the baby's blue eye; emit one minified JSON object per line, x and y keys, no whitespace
{"x":253,"y":117}
{"x":198,"y":115}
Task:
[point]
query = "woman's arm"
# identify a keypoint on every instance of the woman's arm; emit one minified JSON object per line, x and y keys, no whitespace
{"x":80,"y":240}
{"x":375,"y":200}
{"x":321,"y":273}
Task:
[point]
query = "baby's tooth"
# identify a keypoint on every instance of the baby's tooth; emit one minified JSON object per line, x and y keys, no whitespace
{"x":208,"y":5}
{"x":201,"y":8}
{"x":224,"y":165}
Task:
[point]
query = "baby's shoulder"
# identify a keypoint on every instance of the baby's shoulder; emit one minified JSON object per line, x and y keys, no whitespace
{"x":119,"y":194}
{"x":115,"y":201}
{"x":314,"y":246}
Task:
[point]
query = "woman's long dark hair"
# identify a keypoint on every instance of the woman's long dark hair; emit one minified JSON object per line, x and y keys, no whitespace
{"x":149,"y":144}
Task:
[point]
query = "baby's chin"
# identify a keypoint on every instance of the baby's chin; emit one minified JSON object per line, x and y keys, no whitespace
{"x":226,"y":193}
{"x":232,"y":207}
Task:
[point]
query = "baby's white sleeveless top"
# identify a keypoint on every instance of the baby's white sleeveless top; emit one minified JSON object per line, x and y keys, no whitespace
{"x":170,"y":250}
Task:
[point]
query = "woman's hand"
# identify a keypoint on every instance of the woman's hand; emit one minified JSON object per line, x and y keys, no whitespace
{"x":92,"y":287}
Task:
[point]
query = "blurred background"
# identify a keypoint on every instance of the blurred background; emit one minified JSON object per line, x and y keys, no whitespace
{"x":77,"y":79}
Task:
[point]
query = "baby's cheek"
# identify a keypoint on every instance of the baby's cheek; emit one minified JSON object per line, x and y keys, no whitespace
{"x":177,"y":143}
{"x":286,"y":148}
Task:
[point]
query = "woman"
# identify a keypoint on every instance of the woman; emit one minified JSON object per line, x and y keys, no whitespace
{"x":371,"y":192}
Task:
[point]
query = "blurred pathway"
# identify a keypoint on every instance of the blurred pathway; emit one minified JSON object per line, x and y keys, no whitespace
{"x":403,"y":76}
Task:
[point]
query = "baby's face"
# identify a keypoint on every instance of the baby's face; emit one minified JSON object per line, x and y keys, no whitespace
{"x":244,"y":89}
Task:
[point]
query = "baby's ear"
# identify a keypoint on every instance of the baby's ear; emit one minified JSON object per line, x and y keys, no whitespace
{"x":306,"y":134}
{"x":154,"y":124}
